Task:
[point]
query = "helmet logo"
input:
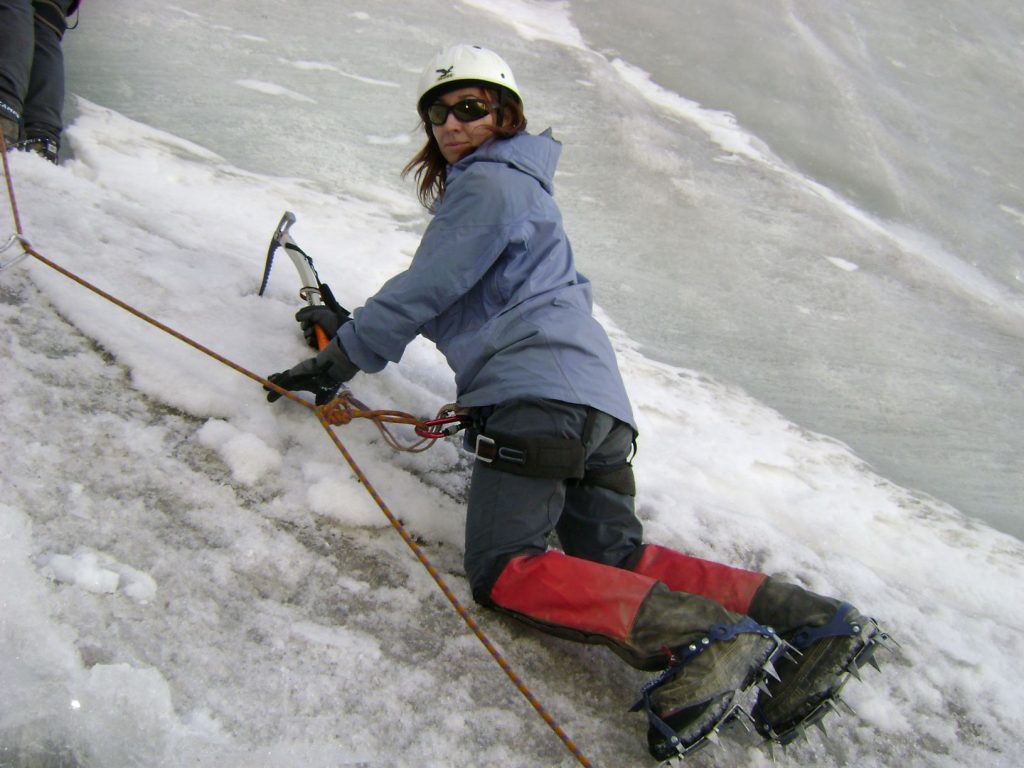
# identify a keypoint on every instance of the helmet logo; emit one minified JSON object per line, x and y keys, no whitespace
{"x":445,"y":72}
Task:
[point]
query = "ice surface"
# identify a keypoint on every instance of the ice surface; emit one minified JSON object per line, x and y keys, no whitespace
{"x":263,"y":612}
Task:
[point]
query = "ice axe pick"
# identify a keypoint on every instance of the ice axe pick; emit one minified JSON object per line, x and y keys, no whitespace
{"x":313,"y":292}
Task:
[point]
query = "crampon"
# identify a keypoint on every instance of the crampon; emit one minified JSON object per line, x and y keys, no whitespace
{"x":829,"y":657}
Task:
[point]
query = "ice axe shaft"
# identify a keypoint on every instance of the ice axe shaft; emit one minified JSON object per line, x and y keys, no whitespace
{"x":312,"y":289}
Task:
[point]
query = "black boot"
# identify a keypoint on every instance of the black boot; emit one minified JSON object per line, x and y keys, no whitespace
{"x":832,"y":640}
{"x":45,"y":147}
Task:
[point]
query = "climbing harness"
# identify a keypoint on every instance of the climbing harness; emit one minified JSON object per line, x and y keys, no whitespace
{"x":559,"y":458}
{"x":340,"y":411}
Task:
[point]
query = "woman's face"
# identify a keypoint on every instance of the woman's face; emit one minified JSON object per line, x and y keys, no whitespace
{"x":456,"y":139}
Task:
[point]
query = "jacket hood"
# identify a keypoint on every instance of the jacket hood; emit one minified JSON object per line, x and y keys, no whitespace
{"x":533,"y":155}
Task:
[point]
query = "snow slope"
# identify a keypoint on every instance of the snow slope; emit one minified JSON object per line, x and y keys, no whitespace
{"x":190,"y":576}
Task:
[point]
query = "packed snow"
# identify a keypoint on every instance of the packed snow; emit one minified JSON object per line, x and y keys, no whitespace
{"x":190,"y":576}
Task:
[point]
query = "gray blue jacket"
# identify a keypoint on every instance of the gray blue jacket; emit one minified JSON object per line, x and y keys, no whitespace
{"x":493,"y":285}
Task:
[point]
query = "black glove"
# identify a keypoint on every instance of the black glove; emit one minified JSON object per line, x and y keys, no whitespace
{"x":322,"y":375}
{"x":330,"y":316}
{"x":324,"y":317}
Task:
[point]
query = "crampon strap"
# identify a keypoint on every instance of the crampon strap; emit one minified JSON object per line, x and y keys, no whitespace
{"x":837,"y":627}
{"x":679,"y":658}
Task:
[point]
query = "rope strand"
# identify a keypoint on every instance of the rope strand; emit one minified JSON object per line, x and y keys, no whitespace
{"x":341,"y":410}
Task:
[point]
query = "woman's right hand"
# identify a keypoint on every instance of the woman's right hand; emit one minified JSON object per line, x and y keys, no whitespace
{"x":329,"y":316}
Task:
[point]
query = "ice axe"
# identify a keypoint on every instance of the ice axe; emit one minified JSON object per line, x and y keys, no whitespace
{"x":313,"y":292}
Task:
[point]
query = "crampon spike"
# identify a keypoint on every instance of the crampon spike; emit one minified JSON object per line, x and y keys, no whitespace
{"x":844,"y":703}
{"x":745,"y":721}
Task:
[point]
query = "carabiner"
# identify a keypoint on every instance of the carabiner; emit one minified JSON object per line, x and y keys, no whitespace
{"x":433,"y":429}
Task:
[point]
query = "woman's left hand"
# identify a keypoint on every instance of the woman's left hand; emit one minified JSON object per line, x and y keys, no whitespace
{"x":322,"y":375}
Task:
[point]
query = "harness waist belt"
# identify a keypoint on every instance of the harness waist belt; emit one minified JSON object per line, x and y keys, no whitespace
{"x":553,"y":457}
{"x":556,"y":458}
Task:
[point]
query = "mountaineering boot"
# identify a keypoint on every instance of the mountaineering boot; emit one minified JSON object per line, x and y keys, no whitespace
{"x":712,"y":655}
{"x":10,"y":124}
{"x":10,"y":130}
{"x":707,"y":676}
{"x":46,"y":148}
{"x":832,"y":639}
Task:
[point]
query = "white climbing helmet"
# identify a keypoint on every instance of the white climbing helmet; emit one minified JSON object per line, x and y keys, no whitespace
{"x":465,"y":63}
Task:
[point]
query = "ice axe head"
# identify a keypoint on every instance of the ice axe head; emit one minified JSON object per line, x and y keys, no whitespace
{"x":312,"y":289}
{"x":279,"y":238}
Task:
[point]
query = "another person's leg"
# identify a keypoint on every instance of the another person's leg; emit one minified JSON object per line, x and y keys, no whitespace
{"x":42,"y":114}
{"x":16,"y":44}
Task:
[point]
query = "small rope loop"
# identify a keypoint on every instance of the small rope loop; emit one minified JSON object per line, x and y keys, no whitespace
{"x":337,"y":412}
{"x":345,"y":408}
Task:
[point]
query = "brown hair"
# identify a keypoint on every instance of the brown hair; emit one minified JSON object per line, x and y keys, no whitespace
{"x":429,"y":167}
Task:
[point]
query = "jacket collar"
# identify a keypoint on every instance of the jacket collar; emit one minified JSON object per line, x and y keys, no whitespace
{"x":533,"y":155}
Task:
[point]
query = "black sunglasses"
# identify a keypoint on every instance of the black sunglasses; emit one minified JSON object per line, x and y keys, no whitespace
{"x":465,"y":111}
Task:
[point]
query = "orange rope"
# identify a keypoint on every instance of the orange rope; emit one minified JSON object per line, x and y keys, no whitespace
{"x":10,"y":187}
{"x":339,"y":411}
{"x":453,"y":599}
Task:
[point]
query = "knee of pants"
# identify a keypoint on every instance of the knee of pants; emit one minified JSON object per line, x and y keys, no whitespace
{"x":599,"y":525}
{"x":507,"y":515}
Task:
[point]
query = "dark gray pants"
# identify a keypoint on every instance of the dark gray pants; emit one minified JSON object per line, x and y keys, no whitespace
{"x":32,"y":68}
{"x":511,"y":514}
